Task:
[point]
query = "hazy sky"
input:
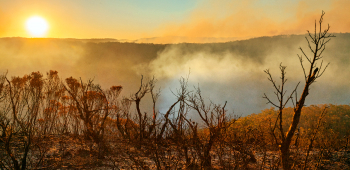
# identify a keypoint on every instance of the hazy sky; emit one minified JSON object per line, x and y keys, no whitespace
{"x":136,"y":19}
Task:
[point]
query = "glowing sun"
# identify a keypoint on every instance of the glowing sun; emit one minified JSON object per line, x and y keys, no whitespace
{"x":37,"y":26}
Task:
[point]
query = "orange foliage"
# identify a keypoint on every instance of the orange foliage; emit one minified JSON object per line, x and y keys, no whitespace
{"x":19,"y":82}
{"x":116,"y":88}
{"x":36,"y":80}
{"x":65,"y":97}
{"x":73,"y":83}
{"x":52,"y":74}
{"x":92,"y":95}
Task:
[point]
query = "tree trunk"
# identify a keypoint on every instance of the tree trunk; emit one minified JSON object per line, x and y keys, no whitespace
{"x":285,"y":154}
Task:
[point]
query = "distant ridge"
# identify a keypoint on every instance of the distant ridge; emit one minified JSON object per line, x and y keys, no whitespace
{"x":180,"y":39}
{"x":169,"y":39}
{"x":152,"y":40}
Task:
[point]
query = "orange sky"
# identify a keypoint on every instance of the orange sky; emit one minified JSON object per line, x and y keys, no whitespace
{"x":137,"y":19}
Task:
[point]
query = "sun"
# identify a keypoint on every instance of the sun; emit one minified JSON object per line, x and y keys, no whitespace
{"x":37,"y":26}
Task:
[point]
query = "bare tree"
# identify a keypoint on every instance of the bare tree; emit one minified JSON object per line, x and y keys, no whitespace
{"x":215,"y":120}
{"x":92,"y":106}
{"x":21,"y":106}
{"x":137,"y":97}
{"x":317,"y":45}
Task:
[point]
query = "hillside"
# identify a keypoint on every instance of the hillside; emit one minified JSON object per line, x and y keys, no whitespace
{"x":242,"y":63}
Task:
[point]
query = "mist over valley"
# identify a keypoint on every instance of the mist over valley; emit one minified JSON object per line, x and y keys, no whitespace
{"x":229,"y":71}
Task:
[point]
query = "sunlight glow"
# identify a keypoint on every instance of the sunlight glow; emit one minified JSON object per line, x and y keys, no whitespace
{"x":37,"y":26}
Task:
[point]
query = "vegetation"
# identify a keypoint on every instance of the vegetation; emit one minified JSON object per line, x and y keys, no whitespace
{"x":49,"y":123}
{"x":52,"y":123}
{"x":316,"y":45}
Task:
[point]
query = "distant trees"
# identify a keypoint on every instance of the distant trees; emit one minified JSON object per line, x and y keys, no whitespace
{"x":283,"y":140}
{"x":328,"y":131}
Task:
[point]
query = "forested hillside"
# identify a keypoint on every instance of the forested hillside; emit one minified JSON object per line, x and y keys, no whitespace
{"x":242,"y":63}
{"x":330,"y":123}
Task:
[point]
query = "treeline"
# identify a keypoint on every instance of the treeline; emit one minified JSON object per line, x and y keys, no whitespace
{"x":52,"y":123}
{"x":332,"y":121}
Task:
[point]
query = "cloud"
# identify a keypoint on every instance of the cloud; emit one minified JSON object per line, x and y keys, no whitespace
{"x":220,"y":75}
{"x":233,"y":71}
{"x":242,"y":20}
